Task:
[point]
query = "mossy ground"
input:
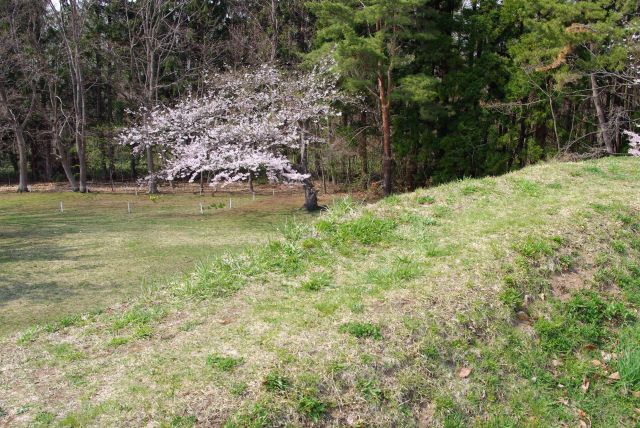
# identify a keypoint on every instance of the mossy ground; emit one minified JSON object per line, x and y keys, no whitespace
{"x":509,"y":301}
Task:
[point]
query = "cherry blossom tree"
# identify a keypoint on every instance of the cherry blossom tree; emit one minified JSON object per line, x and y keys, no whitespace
{"x":245,"y":124}
{"x":634,"y":143}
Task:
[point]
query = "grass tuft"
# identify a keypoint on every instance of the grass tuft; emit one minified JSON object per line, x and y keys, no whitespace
{"x":223,"y":363}
{"x":362,"y":330}
{"x":317,"y":281}
{"x":366,"y":230}
{"x":311,"y":407}
{"x":276,"y":382}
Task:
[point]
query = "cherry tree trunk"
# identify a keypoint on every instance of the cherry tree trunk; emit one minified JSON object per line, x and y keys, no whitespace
{"x":310,"y":196}
{"x":153,"y":185}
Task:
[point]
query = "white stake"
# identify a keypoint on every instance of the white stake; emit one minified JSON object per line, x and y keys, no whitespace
{"x":230,"y":206}
{"x":61,"y":207}
{"x":129,"y":207}
{"x":273,"y":192}
{"x":254,"y":196}
{"x":201,"y":208}
{"x":136,"y":191}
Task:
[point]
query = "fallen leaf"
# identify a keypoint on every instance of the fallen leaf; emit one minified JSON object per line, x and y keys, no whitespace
{"x":637,"y":411}
{"x":560,"y":385}
{"x":614,"y":376}
{"x":590,"y":346}
{"x":585,"y":385}
{"x":464,"y":373}
{"x":522,"y":316}
{"x":541,"y":296}
{"x":556,"y":363}
{"x":585,"y":420}
{"x":596,"y":363}
{"x":563,"y":401}
{"x":636,"y":394}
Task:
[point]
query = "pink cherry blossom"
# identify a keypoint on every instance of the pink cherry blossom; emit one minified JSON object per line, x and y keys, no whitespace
{"x":246,"y":123}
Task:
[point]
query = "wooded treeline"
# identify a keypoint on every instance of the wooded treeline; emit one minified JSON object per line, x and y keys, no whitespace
{"x":452,"y":88}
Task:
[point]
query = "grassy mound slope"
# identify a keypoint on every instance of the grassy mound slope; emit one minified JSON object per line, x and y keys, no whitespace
{"x":508,"y":301}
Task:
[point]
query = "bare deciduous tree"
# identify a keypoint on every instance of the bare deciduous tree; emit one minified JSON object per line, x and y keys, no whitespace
{"x":70,"y":18}
{"x":19,"y":31}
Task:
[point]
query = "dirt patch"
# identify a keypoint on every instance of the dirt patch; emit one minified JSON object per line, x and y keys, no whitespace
{"x":565,"y":285}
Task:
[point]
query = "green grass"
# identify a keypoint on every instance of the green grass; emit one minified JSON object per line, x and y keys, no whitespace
{"x":507,"y":301}
{"x":276,"y":382}
{"x":362,"y":330}
{"x":222,"y":362}
{"x":95,"y":254}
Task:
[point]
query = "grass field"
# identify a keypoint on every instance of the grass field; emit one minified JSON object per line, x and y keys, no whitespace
{"x":500,"y":302}
{"x":95,"y":254}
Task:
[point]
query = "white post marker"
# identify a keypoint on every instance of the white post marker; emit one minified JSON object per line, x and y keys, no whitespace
{"x":201,"y":208}
{"x":230,"y":206}
{"x":254,"y":196}
{"x":273,"y":192}
{"x":129,"y":207}
{"x":61,"y":207}
{"x":136,"y":191}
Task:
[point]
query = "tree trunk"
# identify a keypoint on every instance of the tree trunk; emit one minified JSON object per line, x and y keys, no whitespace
{"x":20,"y":142}
{"x":132,"y":167}
{"x":68,"y":171}
{"x":48,"y":168}
{"x":362,"y":149}
{"x":310,"y":196}
{"x":411,"y":170}
{"x":82,"y":161}
{"x":22,"y":158}
{"x":153,"y":185}
{"x":604,"y":138}
{"x":56,"y":144}
{"x":310,"y":193}
{"x":387,"y":166}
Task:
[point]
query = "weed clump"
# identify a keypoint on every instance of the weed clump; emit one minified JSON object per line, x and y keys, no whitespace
{"x":366,"y":230}
{"x":311,"y":407}
{"x":220,"y":277}
{"x":425,"y":200}
{"x":362,"y":330}
{"x":582,"y":321}
{"x":223,"y":363}
{"x":276,"y":382}
{"x":536,"y":248}
{"x":317,"y":282}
